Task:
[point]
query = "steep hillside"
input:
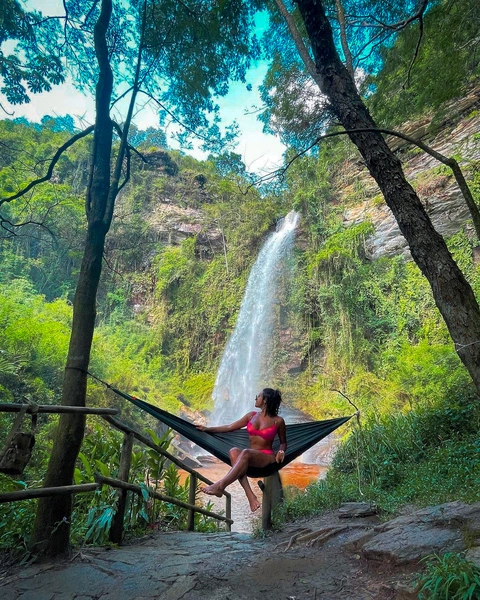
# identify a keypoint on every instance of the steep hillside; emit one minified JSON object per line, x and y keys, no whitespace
{"x":196,"y":237}
{"x":184,"y":238}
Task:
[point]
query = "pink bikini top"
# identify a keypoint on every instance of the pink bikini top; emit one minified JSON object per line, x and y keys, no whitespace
{"x":267,"y":434}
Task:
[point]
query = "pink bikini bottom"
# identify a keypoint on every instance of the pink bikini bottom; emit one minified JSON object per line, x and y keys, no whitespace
{"x":265,"y":451}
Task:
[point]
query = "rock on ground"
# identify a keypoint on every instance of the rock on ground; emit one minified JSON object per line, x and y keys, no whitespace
{"x":234,"y":566}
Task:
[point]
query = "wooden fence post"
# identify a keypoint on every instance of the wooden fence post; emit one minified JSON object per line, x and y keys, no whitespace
{"x":116,"y":530}
{"x":191,"y":500}
{"x":228,"y":511}
{"x":272,"y":497}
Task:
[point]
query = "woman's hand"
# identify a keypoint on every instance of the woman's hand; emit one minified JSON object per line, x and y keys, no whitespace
{"x":201,"y":427}
{"x":280,"y":457}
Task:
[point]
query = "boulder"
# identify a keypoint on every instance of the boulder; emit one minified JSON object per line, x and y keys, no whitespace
{"x":453,"y":515}
{"x":473,"y":555}
{"x":411,"y":543}
{"x":356,"y":509}
{"x":448,"y":527}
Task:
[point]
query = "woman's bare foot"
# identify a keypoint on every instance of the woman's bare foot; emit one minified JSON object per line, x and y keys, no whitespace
{"x":254,"y":504}
{"x":213,"y":490}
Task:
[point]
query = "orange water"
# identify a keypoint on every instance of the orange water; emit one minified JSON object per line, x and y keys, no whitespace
{"x":296,"y":474}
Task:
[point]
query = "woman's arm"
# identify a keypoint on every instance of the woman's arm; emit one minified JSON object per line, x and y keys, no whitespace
{"x":226,"y":428}
{"x":282,"y":434}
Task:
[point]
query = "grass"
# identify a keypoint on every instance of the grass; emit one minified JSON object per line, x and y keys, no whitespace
{"x":450,"y":577}
{"x":425,"y":457}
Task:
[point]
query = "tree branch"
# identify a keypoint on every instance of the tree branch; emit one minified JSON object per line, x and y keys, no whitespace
{"x":127,"y":171}
{"x":7,"y":225}
{"x":298,"y":41}
{"x":448,"y":161}
{"x":387,"y":29}
{"x":343,"y":38}
{"x":119,"y":131}
{"x":138,"y":153}
{"x":176,"y":119}
{"x":10,"y":114}
{"x":123,"y":151}
{"x":89,"y":14}
{"x":53,"y":162}
{"x":417,"y":48}
{"x":399,"y":25}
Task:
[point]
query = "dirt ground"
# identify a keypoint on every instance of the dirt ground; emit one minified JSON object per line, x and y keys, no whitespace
{"x":226,"y":566}
{"x":331,"y":571}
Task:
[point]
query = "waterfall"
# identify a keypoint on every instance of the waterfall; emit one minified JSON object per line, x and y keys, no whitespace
{"x":244,"y":369}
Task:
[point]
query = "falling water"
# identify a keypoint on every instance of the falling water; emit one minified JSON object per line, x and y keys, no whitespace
{"x":243,"y":369}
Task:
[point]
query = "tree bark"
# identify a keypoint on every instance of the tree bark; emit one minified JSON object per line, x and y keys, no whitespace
{"x":51,"y":533}
{"x":343,"y":38}
{"x":453,"y":295}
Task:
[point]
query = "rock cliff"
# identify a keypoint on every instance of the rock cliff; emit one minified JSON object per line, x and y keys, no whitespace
{"x":457,"y":136}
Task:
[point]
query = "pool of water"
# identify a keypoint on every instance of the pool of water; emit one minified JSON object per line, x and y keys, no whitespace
{"x":297,"y":475}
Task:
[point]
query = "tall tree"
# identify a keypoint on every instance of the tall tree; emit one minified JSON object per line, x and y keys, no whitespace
{"x":147,"y":47}
{"x":452,"y":293}
{"x":52,"y":524}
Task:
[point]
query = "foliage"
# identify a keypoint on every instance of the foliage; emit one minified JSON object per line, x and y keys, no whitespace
{"x":447,"y":49}
{"x":29,"y":67}
{"x":33,"y":338}
{"x":449,"y":576}
{"x":428,"y":455}
{"x":166,"y":307}
{"x":44,"y":235}
{"x":382,"y":50}
{"x":93,"y":512}
{"x":14,"y":524}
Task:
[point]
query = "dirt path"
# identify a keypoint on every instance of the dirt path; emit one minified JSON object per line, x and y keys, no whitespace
{"x":174,"y":566}
{"x":332,"y":571}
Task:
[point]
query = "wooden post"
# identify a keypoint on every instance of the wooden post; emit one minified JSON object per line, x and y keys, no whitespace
{"x":272,"y":497}
{"x":116,"y":530}
{"x":191,"y":500}
{"x":228,"y":511}
{"x":48,"y":492}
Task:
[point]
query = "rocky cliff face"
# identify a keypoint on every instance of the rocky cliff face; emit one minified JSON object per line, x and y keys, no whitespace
{"x":172,"y":224}
{"x":177,"y":209}
{"x":434,"y":183}
{"x":172,"y":201}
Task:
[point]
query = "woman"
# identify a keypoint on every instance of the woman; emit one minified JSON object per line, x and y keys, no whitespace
{"x":262,"y":428}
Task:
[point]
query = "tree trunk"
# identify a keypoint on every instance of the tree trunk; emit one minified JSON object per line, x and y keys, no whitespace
{"x":452,"y":293}
{"x":51,"y":531}
{"x":52,"y":522}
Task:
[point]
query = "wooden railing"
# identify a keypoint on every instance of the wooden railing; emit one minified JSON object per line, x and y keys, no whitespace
{"x":121,"y":483}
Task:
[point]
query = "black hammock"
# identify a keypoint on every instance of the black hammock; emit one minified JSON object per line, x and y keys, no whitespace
{"x":300,"y":436}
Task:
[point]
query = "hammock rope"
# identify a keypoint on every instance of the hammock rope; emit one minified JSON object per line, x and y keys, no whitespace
{"x":300,"y":436}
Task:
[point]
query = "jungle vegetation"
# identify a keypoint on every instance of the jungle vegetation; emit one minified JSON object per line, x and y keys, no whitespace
{"x":158,"y":314}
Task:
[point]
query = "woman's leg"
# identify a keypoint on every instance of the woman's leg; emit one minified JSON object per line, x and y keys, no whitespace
{"x":243,"y":481}
{"x":246,"y":458}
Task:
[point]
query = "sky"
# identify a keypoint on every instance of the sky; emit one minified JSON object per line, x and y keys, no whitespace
{"x":260,"y":152}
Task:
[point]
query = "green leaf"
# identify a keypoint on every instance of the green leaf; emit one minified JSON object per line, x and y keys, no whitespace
{"x":145,"y":494}
{"x":86,"y":464}
{"x":103,"y":468}
{"x":78,"y":476}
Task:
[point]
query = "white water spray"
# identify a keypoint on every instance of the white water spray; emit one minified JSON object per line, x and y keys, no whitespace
{"x":243,"y":368}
